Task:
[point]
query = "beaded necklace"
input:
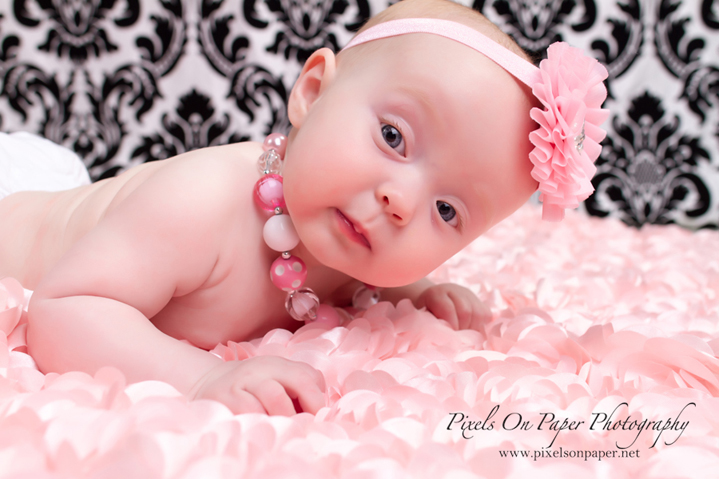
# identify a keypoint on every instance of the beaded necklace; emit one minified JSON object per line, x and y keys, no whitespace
{"x":288,"y":272}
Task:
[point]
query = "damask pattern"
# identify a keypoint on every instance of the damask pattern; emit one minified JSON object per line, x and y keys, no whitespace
{"x":128,"y":81}
{"x":648,"y":171}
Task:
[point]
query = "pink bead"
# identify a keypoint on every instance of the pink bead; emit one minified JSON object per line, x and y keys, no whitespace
{"x":288,"y":274}
{"x":327,"y":315}
{"x":277,"y":142}
{"x":269,"y":192}
{"x":279,"y":233}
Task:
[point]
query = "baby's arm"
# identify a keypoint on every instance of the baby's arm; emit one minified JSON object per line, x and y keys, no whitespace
{"x":457,"y":305}
{"x":92,"y":309}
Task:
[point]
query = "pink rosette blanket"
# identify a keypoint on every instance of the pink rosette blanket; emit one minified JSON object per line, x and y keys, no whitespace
{"x":600,"y":362}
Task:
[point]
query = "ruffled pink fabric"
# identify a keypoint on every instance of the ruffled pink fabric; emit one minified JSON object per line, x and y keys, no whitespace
{"x":572,"y":93}
{"x":588,"y":314}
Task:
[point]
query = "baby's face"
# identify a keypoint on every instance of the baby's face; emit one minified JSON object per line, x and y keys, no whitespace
{"x":406,"y":157}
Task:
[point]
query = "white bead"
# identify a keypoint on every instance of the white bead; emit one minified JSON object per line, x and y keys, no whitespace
{"x":279,"y":233}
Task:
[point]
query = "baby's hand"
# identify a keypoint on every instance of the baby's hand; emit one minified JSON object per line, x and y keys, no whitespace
{"x":457,"y":305}
{"x":264,"y":384}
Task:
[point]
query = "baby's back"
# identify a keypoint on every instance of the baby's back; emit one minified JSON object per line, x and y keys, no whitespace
{"x":37,"y":227}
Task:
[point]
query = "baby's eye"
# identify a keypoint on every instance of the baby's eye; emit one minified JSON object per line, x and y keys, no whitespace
{"x":447,"y":212}
{"x":392,"y":136}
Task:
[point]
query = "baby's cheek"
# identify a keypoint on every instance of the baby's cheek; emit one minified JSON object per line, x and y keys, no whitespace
{"x":404,"y":268}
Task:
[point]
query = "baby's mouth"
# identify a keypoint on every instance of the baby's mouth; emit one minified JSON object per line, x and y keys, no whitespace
{"x":354,"y":232}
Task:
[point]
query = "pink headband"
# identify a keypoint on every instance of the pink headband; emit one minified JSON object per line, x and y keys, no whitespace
{"x":569,"y":86}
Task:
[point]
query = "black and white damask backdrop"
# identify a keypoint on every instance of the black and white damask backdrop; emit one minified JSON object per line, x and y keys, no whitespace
{"x":127,"y":81}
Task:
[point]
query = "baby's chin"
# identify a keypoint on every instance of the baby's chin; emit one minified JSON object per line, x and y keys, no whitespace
{"x":380,"y":275}
{"x":372,"y":270}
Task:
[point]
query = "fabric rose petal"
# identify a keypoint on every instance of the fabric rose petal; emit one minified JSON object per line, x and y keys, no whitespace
{"x":648,"y":338}
{"x":12,"y":304}
{"x":567,"y":140}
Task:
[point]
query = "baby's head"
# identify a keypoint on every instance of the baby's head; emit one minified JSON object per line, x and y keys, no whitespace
{"x":406,"y":148}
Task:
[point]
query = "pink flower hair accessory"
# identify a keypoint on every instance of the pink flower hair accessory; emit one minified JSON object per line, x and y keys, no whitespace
{"x":566,"y":144}
{"x":569,"y":86}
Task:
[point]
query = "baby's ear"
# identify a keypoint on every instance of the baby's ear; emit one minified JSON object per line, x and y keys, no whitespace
{"x":316,"y":75}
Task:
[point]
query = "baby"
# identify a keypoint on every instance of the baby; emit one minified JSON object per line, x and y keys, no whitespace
{"x":405,"y":147}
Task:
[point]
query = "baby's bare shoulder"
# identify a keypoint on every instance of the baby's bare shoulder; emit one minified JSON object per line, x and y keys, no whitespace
{"x":201,"y":199}
{"x":215,"y":169}
{"x":221,"y":159}
{"x":210,"y":181}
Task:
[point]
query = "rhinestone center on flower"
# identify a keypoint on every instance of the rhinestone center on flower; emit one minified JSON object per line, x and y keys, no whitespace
{"x":579,"y":140}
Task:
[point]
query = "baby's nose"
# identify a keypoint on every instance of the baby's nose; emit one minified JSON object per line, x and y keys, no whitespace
{"x":398,"y":204}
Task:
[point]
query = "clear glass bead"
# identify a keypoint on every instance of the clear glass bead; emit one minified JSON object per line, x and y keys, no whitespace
{"x":302,"y":304}
{"x":365,"y":297}
{"x":270,"y":163}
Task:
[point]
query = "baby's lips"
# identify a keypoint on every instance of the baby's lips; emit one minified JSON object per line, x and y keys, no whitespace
{"x":356,"y":227}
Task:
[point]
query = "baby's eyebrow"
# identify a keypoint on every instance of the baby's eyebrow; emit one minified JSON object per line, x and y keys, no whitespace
{"x":421,"y":97}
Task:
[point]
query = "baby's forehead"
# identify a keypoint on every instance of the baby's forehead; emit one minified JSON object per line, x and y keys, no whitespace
{"x":450,"y":75}
{"x":423,"y":58}
{"x":467,"y":18}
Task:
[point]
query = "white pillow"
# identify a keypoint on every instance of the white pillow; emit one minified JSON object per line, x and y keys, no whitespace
{"x":30,"y":162}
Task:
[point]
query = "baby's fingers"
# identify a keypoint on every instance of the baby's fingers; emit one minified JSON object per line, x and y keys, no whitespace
{"x":240,"y":401}
{"x":273,"y":398}
{"x":462,"y":309}
{"x":481,"y":315}
{"x":312,"y":400}
{"x":307,"y":386}
{"x":442,"y":307}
